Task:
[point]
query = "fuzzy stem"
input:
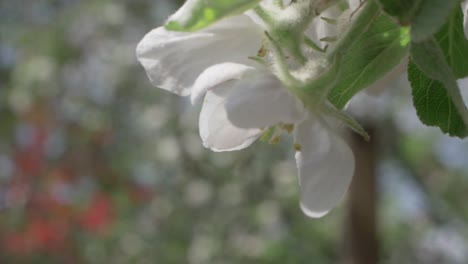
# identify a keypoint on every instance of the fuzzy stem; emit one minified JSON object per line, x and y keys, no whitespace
{"x":281,"y":65}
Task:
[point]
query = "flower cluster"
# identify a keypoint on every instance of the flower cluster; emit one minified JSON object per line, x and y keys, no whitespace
{"x":249,"y":69}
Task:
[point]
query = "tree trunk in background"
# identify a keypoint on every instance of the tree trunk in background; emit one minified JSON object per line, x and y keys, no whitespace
{"x":361,"y":243}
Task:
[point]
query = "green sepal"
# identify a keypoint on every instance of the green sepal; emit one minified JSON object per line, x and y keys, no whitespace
{"x":198,"y":14}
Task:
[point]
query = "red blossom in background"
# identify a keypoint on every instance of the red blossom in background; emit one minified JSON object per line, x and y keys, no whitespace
{"x":98,"y":215}
{"x":38,"y":235}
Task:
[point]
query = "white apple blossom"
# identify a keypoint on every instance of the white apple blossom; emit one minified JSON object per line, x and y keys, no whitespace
{"x":234,"y":113}
{"x":242,"y":98}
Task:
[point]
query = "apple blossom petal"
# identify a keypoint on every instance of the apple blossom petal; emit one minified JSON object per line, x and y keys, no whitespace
{"x":216,"y":131}
{"x":174,"y":60}
{"x":464,"y":6}
{"x":326,"y":166}
{"x":216,"y":75}
{"x":184,"y":12}
{"x":260,"y":100}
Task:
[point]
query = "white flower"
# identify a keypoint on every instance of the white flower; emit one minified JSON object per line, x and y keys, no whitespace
{"x":242,"y":98}
{"x":234,"y":113}
{"x":237,"y":107}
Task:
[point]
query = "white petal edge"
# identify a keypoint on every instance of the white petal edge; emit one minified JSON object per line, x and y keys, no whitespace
{"x":174,"y":60}
{"x":464,"y":7}
{"x":325,"y":166}
{"x":216,"y":75}
{"x":216,"y":131}
{"x":261,"y":100}
{"x":184,"y":12}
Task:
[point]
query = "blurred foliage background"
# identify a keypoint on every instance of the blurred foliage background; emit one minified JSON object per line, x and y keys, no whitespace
{"x":97,"y":166}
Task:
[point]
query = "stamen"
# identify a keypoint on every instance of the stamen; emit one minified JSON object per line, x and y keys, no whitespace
{"x":276,"y":136}
{"x":262,"y":52}
{"x":297,"y":147}
{"x":267,"y":134}
{"x":274,"y":140}
{"x":288,"y":127}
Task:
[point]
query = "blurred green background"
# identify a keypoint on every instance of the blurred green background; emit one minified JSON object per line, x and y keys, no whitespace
{"x":97,"y":166}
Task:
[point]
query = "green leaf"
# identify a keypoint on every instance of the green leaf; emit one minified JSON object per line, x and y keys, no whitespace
{"x":430,"y":17}
{"x":426,"y":17}
{"x":197,"y":14}
{"x":453,"y":43}
{"x":433,"y":104}
{"x":430,"y":59}
{"x":403,"y":10}
{"x":371,"y":48}
{"x":435,"y":89}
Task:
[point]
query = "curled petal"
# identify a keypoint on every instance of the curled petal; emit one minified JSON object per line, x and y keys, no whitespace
{"x":174,"y":60}
{"x":184,"y":13}
{"x":326,"y":166}
{"x":261,"y":100}
{"x":217,"y":74}
{"x":216,"y":131}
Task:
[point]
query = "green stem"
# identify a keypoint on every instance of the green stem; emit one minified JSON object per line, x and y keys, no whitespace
{"x":281,"y":65}
{"x":264,"y":15}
